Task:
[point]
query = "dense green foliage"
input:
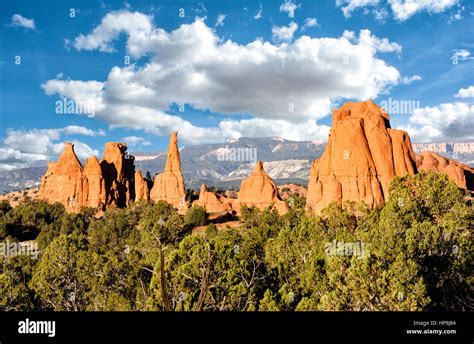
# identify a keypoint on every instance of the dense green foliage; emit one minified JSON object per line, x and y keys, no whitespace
{"x":414,"y":253}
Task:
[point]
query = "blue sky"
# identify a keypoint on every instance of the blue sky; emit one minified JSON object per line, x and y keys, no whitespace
{"x":217,"y":70}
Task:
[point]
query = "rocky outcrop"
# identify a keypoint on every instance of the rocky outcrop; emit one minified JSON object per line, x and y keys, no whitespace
{"x":362,"y":156}
{"x":213,"y":202}
{"x":142,"y":189}
{"x":169,"y":185}
{"x":259,"y":190}
{"x":94,"y":184}
{"x":108,"y":183}
{"x":63,"y":182}
{"x":459,"y":173}
{"x":119,"y":170}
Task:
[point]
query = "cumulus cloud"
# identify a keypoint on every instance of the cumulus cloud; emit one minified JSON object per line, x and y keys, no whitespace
{"x":449,"y":121}
{"x":348,"y":6}
{"x":380,"y":14}
{"x":258,"y":127}
{"x":405,"y":9}
{"x":284,"y":33}
{"x":402,"y":9}
{"x":137,"y":24}
{"x":220,"y":20}
{"x":134,"y":141}
{"x":292,"y":83}
{"x":465,"y":92}
{"x":289,"y":7}
{"x":383,"y":45}
{"x":310,"y":22}
{"x":21,"y":147}
{"x":19,"y":21}
{"x":407,"y":80}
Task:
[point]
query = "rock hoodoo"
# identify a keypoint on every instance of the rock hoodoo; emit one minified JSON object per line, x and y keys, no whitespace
{"x":63,"y":182}
{"x":362,"y":156}
{"x":259,"y":190}
{"x":94,"y":184}
{"x":142,"y":189}
{"x":119,"y":170}
{"x":169,"y":185}
{"x":461,"y":174}
{"x":103,"y":184}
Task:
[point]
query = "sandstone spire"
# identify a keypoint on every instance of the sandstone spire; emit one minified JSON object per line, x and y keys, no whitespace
{"x":98,"y":185}
{"x":459,"y":173}
{"x":142,"y":191}
{"x":259,"y":190}
{"x":169,"y":185}
{"x":94,"y":184}
{"x":362,"y":156}
{"x":63,"y":182}
{"x":119,"y":171}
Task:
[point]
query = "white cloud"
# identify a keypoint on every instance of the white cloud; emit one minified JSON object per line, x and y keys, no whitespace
{"x":383,"y":45}
{"x":449,"y":121}
{"x":456,"y":16}
{"x":404,"y":9}
{"x":351,"y":5}
{"x":407,"y":80}
{"x":293,"y":82}
{"x":135,"y":23}
{"x":21,"y":147}
{"x":19,"y":21}
{"x":310,"y":22}
{"x":289,"y":7}
{"x":258,"y":127}
{"x":220,"y":20}
{"x":134,"y":141}
{"x":380,"y":14}
{"x":284,"y":33}
{"x":465,"y":92}
{"x":259,"y":12}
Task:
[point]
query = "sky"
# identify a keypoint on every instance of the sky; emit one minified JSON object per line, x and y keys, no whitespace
{"x":91,"y":72}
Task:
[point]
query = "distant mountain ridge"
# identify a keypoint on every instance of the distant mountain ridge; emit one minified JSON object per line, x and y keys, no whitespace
{"x":226,"y":164}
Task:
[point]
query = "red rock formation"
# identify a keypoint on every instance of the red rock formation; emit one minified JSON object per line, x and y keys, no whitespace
{"x":169,"y":185}
{"x":118,"y":170}
{"x":63,"y":181}
{"x":461,"y":174}
{"x":259,"y":190}
{"x":142,"y":191}
{"x":94,"y":184}
{"x":98,"y":185}
{"x":362,"y":156}
{"x":212,"y":202}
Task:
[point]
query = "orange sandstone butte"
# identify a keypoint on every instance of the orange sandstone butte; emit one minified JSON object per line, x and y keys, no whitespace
{"x":459,"y":173}
{"x":362,"y":156}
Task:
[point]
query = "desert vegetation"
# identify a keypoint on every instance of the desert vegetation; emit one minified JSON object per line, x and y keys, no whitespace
{"x":412,"y":253}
